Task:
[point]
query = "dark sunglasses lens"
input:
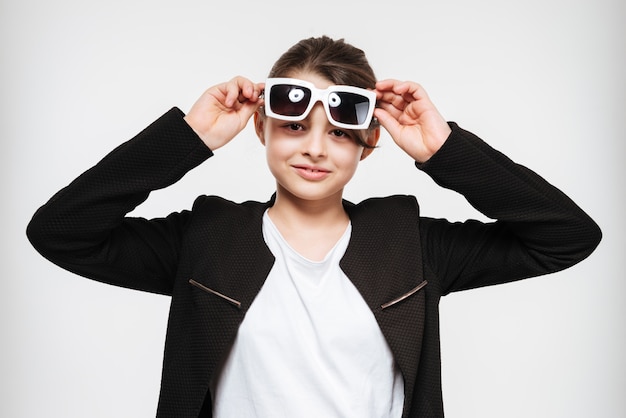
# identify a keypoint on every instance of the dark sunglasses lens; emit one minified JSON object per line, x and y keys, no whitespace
{"x":349,"y":108}
{"x":289,"y":100}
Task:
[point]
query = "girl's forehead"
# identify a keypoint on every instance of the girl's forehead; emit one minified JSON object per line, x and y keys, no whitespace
{"x":319,"y":81}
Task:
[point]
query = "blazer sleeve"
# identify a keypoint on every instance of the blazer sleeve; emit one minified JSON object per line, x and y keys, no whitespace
{"x":83,"y":228}
{"x":537,"y":228}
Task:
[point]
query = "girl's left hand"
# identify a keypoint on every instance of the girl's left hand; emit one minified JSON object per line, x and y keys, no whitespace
{"x":406,"y":112}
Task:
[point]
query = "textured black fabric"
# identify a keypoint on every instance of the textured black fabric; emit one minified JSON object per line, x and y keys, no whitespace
{"x":219,"y":245}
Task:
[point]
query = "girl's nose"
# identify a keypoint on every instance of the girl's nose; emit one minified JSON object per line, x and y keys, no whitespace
{"x":315,"y":143}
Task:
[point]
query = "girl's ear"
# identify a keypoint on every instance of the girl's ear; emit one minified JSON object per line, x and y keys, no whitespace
{"x":259,"y":125}
{"x":372,"y":139}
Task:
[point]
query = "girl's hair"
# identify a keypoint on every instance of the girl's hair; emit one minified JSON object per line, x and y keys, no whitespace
{"x":336,"y":60}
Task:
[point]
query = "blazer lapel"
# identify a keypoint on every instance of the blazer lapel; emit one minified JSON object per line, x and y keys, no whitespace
{"x":384,"y":261}
{"x":223,"y":288}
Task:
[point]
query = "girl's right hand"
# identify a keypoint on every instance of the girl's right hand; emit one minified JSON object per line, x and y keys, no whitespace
{"x":224,"y":110}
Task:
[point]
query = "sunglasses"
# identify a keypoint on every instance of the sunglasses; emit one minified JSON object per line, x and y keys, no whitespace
{"x":346,"y":107}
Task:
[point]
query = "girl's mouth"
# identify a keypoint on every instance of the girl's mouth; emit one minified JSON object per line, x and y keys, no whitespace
{"x":311,"y":172}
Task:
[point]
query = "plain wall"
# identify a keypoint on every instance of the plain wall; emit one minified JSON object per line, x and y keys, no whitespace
{"x":542,"y":81}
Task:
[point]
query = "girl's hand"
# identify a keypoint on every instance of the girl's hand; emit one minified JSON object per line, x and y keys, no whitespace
{"x":224,"y":110}
{"x":406,"y":112}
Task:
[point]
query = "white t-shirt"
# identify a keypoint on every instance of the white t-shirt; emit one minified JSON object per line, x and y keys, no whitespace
{"x":309,"y":346}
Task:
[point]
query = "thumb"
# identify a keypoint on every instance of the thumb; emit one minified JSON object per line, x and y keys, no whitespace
{"x":247,"y":110}
{"x":388,"y":122}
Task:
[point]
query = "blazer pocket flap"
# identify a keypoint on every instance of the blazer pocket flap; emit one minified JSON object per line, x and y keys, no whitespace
{"x":216,"y":293}
{"x":404,"y":296}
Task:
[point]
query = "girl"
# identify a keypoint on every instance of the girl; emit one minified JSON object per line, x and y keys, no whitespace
{"x":308,"y":305}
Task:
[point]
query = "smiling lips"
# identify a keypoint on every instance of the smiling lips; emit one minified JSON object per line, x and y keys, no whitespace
{"x":310,"y":172}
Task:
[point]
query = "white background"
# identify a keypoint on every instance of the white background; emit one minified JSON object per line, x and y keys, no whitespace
{"x":542,"y":81}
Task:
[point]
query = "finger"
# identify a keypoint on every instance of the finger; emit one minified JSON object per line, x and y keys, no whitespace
{"x":398,"y":93}
{"x":411,"y":91}
{"x":408,"y":90}
{"x":393,"y":109}
{"x":231,"y":92}
{"x":248,"y":108}
{"x":386,"y":85}
{"x":387,"y":121}
{"x":248,"y":91}
{"x":253,"y":90}
{"x":259,"y":89}
{"x":256,"y":90}
{"x":393,"y":99}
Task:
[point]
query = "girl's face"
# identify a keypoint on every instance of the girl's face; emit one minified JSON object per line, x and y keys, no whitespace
{"x":311,"y":159}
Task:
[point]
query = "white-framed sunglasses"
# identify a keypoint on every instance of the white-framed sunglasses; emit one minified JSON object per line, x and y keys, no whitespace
{"x":346,"y":107}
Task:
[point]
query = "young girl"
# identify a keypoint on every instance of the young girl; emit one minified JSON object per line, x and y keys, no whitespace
{"x":308,"y":305}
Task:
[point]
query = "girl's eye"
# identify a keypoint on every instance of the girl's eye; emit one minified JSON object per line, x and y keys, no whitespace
{"x":341,"y":134}
{"x":294,"y":126}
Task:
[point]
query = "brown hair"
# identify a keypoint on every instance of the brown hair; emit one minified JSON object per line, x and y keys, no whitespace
{"x":336,"y":60}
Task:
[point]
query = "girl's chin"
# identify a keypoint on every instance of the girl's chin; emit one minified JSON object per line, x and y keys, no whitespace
{"x":308,"y":195}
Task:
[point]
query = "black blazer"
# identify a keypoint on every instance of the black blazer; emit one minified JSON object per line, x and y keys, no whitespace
{"x":213,"y":260}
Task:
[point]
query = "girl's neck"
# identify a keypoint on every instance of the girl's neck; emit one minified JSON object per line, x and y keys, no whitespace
{"x":312,"y":228}
{"x":301,"y":213}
